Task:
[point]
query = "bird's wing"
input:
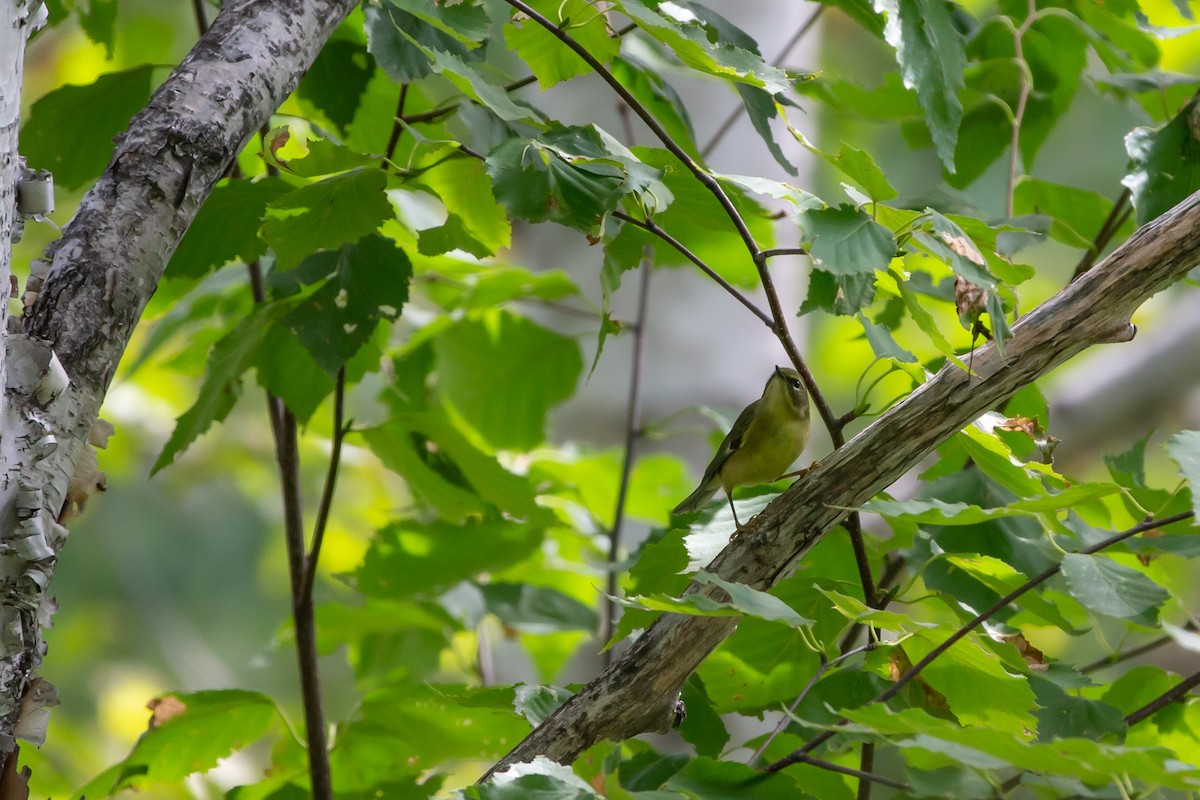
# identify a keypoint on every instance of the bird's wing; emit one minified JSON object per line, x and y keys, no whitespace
{"x":731,"y":443}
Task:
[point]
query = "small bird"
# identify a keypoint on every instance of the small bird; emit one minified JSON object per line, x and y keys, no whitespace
{"x":767,"y":437}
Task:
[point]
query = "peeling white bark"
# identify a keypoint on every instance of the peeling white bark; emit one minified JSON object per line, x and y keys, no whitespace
{"x":103,"y":271}
{"x":631,"y":696}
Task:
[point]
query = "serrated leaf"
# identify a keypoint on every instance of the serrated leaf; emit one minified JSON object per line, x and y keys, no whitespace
{"x":1105,"y":586}
{"x":70,"y":130}
{"x":845,"y":240}
{"x":286,"y":369}
{"x":841,"y":295}
{"x":367,"y":283}
{"x":464,"y":188}
{"x":192,"y":733}
{"x":401,"y":42}
{"x":226,"y":227}
{"x":550,"y":59}
{"x":855,"y":164}
{"x":698,"y":43}
{"x":931,"y":56}
{"x":326,"y":214}
{"x":503,"y":373}
{"x":229,"y":358}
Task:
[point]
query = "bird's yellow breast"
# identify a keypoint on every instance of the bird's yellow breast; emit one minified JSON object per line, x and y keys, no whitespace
{"x":766,"y":451}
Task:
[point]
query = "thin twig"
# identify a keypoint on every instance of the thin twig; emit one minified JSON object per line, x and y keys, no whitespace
{"x":915,"y":670}
{"x":201,"y":16}
{"x":287,"y":456}
{"x":633,"y":426}
{"x":865,"y":777}
{"x":652,"y":227}
{"x":785,"y":251}
{"x":335,"y":459}
{"x":1112,"y":223}
{"x":1172,"y":695}
{"x":733,"y":116}
{"x":397,"y":128}
{"x":1022,"y":100}
{"x":702,"y":175}
{"x":826,"y":665}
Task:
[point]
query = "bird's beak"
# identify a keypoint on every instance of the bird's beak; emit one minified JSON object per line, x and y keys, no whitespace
{"x":779,"y":371}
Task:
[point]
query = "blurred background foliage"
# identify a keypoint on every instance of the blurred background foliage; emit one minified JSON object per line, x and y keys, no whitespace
{"x":178,"y":582}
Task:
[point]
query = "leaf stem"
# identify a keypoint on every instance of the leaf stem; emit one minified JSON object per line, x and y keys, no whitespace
{"x":633,"y":426}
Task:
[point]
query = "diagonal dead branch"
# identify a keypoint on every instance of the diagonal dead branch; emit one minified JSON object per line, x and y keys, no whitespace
{"x":634,"y":694}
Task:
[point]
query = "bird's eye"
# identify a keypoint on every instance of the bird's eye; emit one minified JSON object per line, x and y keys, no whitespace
{"x":795,"y":383}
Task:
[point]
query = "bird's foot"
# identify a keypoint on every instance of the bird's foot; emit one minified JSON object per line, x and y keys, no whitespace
{"x":800,"y":473}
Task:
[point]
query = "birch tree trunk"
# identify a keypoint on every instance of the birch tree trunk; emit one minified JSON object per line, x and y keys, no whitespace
{"x":105,"y":267}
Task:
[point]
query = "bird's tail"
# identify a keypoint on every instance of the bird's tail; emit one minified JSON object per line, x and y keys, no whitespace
{"x":697,"y":499}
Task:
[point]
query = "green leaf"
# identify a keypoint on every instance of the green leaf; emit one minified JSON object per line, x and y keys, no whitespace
{"x":846,"y":241}
{"x":1166,"y":165}
{"x":192,"y":733}
{"x":975,"y":683}
{"x":1104,"y":586}
{"x":503,"y":373}
{"x":563,"y":785}
{"x":930,"y":52}
{"x":229,"y":358}
{"x":368,"y":282}
{"x":70,"y":130}
{"x":326,"y":158}
{"x":226,"y":227}
{"x":444,"y":469}
{"x":535,"y":703}
{"x":755,"y":603}
{"x":326,"y":214}
{"x":1184,"y":448}
{"x":287,"y":370}
{"x":1062,"y":715}
{"x":703,"y":727}
{"x":550,"y":59}
{"x":841,"y":295}
{"x":574,"y":176}
{"x":408,"y":558}
{"x":924,"y":319}
{"x":337,"y":80}
{"x":401,"y":41}
{"x":857,"y":165}
{"x":882,"y":343}
{"x":1077,"y":214}
{"x":693,"y":34}
{"x":480,"y":224}
{"x":761,"y":108}
{"x":977,"y":747}
{"x":536,"y":609}
{"x":660,"y":99}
